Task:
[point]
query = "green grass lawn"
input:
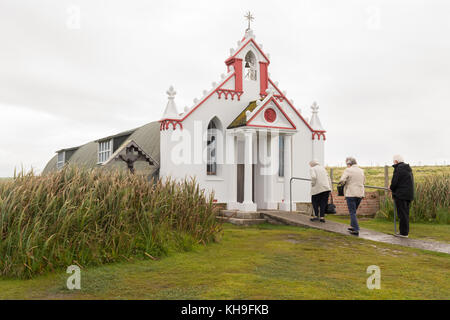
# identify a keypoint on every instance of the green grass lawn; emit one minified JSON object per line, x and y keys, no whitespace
{"x":262,"y":262}
{"x":375,"y":175}
{"x":418,"y":230}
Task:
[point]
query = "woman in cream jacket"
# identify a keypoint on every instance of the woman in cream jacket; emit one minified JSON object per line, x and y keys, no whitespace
{"x":320,"y":190}
{"x":353,"y":178}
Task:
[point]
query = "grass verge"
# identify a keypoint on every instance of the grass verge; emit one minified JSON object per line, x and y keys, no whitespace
{"x":261,"y":262}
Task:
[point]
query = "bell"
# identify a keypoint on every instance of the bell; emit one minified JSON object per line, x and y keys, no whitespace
{"x":247,"y":65}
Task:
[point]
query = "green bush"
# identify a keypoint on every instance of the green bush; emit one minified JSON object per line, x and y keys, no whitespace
{"x":92,"y":217}
{"x":443,"y":215}
{"x":431,"y":201}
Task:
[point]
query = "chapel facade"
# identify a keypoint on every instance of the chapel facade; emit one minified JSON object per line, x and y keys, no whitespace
{"x":242,"y":140}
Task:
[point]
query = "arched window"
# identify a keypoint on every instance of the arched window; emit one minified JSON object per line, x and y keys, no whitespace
{"x":211,"y":148}
{"x":250,"y":66}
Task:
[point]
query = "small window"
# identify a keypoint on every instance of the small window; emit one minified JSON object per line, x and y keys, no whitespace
{"x":211,"y":145}
{"x":60,"y":160}
{"x":104,"y":150}
{"x":281,"y":156}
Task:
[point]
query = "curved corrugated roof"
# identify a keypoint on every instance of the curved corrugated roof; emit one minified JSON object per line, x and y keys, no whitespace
{"x":50,"y":165}
{"x":147,"y":137}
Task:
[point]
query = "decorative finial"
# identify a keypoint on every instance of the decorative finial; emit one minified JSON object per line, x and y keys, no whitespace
{"x":171,"y":93}
{"x":250,"y":18}
{"x":315,"y":107}
{"x":171,"y":108}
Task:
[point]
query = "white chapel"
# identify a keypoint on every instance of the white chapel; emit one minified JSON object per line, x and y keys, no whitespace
{"x":244,"y":139}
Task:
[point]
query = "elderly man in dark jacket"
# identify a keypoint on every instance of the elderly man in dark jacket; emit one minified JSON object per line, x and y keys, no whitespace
{"x":402,"y":187}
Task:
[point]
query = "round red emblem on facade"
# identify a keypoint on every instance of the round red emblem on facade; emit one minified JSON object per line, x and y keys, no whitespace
{"x":270,"y":115}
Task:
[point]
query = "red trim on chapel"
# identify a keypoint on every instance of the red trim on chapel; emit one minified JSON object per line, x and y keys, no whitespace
{"x":277,"y":96}
{"x":242,"y":47}
{"x":165,"y":123}
{"x":264,"y":77}
{"x":237,"y":65}
{"x":168,"y":121}
{"x":229,"y":92}
{"x":293,"y":108}
{"x":319,"y":134}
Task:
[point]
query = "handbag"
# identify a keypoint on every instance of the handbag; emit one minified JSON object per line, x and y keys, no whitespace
{"x":340,"y":189}
{"x":331,"y":207}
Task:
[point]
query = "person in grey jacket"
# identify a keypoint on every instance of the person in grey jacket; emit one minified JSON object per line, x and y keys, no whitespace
{"x":353,"y":178}
{"x":320,"y":190}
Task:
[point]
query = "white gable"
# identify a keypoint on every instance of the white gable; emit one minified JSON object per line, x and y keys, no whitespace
{"x":270,"y":114}
{"x":251,"y":46}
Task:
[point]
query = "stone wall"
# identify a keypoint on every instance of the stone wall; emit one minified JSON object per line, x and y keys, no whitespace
{"x":368,"y":207}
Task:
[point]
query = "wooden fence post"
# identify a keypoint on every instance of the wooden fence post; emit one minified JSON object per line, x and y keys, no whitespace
{"x":386,"y":179}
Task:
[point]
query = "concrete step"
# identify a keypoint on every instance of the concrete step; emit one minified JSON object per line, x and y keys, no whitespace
{"x":241,"y":222}
{"x":274,"y":211}
{"x":240,"y":214}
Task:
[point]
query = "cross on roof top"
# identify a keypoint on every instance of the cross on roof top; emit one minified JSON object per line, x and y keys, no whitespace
{"x":250,"y":18}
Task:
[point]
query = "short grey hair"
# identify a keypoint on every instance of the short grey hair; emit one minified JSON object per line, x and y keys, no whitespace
{"x":314,"y":163}
{"x":398,"y":158}
{"x":350,"y":161}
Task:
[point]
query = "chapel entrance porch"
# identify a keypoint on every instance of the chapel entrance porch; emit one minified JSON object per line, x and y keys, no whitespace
{"x":256,"y":169}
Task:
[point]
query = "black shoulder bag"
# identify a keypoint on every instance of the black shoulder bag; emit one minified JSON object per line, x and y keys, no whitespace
{"x":340,"y":189}
{"x":331,"y":207}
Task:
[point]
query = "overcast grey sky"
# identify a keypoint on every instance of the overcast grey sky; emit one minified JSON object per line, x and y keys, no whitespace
{"x":379,"y":70}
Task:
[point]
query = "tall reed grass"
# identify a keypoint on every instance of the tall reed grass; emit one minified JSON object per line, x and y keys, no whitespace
{"x":92,"y":217}
{"x":431,"y":201}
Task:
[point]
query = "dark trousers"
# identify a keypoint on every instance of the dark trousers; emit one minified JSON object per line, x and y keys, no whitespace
{"x":403,"y":214}
{"x":352,"y":205}
{"x":319,"y":203}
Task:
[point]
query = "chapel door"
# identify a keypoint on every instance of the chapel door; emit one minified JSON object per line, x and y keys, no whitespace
{"x":240,"y":182}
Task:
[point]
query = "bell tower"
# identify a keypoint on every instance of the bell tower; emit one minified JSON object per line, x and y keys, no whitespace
{"x":249,"y":62}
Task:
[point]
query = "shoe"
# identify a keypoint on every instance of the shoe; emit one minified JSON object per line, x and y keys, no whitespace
{"x":350,"y":229}
{"x":353,"y":232}
{"x":314,"y":219}
{"x":400,"y":235}
{"x":322,"y":220}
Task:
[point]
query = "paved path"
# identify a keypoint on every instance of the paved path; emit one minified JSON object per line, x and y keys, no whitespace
{"x":297,"y":219}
